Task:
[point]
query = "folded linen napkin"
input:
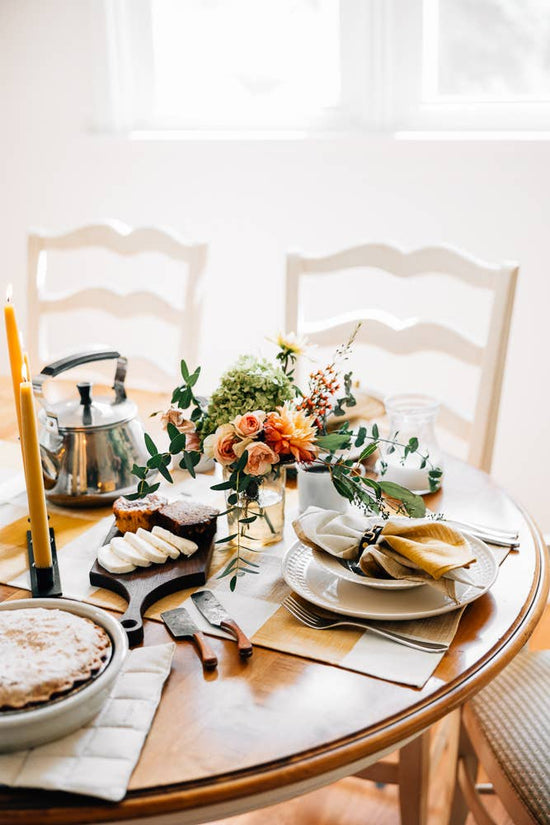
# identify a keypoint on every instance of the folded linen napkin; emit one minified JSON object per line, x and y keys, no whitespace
{"x":420,"y":550}
{"x":98,"y":759}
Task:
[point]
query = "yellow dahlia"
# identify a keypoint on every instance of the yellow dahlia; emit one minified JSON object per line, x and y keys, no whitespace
{"x":291,"y":432}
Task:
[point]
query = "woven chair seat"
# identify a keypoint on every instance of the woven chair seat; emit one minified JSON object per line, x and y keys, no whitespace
{"x":514,"y":715}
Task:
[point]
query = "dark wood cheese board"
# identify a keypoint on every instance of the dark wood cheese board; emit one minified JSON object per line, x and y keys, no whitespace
{"x":146,"y":585}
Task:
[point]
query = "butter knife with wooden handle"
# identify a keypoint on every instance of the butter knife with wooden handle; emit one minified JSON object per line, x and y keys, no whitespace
{"x":217,"y":615}
{"x":181,"y":626}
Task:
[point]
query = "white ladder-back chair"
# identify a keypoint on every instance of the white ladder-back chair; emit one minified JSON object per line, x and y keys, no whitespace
{"x":403,"y":337}
{"x":118,"y":238}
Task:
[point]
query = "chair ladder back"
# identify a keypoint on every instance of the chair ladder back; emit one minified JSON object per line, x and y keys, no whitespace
{"x":492,"y":372}
{"x":123,"y":240}
{"x":391,"y":334}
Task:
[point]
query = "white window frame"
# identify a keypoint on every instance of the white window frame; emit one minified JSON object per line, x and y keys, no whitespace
{"x":415,"y":106}
{"x":382,"y":91}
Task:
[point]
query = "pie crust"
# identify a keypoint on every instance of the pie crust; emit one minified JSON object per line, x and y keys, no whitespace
{"x":45,"y":652}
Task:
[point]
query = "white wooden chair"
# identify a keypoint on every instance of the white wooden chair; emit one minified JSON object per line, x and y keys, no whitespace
{"x":411,"y":771}
{"x":122,"y":240}
{"x":398,"y":336}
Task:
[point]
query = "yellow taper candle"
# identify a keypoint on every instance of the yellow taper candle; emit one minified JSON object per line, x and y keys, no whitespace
{"x":15,"y":352}
{"x":33,"y":475}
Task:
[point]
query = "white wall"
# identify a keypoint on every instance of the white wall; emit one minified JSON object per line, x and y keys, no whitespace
{"x":254,"y":200}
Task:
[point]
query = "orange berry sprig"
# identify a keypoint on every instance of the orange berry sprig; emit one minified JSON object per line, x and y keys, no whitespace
{"x":323,"y":385}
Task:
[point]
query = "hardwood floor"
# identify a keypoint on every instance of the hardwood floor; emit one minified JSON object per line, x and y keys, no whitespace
{"x":358,"y":802}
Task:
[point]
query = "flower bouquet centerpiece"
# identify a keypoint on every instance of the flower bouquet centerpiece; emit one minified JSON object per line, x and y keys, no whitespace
{"x":257,"y":423}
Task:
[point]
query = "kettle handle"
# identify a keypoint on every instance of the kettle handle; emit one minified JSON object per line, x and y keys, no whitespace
{"x":70,"y":361}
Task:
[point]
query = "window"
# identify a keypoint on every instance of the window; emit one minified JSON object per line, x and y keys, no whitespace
{"x":329,"y":64}
{"x":231,"y":64}
{"x":473,"y":64}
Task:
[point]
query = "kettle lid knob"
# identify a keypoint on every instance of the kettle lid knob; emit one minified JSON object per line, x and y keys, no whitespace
{"x":85,"y":390}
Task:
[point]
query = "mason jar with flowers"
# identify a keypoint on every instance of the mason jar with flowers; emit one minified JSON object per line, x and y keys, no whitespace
{"x":270,"y":441}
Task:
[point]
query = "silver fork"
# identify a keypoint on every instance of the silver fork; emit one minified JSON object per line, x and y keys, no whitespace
{"x":504,"y":538}
{"x":325,"y":620}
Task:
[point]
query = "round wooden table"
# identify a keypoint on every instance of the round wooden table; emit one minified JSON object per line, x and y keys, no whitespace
{"x":261,"y":731}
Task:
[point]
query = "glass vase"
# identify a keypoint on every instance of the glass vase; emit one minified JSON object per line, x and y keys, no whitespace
{"x":265,"y":499}
{"x":411,"y":415}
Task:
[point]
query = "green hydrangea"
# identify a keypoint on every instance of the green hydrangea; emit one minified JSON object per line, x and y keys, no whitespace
{"x":250,"y":384}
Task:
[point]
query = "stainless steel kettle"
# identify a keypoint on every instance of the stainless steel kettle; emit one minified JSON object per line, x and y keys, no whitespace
{"x":89,"y":445}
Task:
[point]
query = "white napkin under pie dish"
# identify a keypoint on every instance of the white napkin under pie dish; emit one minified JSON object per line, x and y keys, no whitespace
{"x":419,"y":550}
{"x":98,"y":759}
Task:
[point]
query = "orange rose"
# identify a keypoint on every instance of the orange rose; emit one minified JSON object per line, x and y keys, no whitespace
{"x":291,"y":432}
{"x":249,"y":424}
{"x":260,"y":459}
{"x":220,"y":445}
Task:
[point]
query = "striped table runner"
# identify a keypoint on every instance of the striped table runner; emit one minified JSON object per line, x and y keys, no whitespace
{"x":256,"y":604}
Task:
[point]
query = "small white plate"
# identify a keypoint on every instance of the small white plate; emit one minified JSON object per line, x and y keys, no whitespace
{"x":335,"y":566}
{"x":317,"y":585}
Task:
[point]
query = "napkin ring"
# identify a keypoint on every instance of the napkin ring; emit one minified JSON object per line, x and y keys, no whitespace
{"x":370,"y":536}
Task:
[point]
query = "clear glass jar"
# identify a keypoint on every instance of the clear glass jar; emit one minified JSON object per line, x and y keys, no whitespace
{"x":412,"y":415}
{"x":264,"y":499}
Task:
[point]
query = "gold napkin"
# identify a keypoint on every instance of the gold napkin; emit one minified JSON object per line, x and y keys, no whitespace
{"x":431,"y":546}
{"x":420,"y":550}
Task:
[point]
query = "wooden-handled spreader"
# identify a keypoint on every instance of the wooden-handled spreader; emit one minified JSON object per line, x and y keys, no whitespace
{"x":181,"y":626}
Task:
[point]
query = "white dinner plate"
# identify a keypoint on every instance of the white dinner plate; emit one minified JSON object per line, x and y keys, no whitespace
{"x":337,"y":567}
{"x":319,"y":586}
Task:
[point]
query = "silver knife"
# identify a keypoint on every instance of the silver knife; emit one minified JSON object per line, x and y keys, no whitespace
{"x":217,"y":615}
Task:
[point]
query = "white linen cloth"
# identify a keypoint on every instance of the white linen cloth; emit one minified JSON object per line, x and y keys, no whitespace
{"x":98,"y":759}
{"x":340,"y":535}
{"x":337,"y":533}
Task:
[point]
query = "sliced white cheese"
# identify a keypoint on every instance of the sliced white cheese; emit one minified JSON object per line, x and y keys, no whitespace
{"x":159,"y":543}
{"x":184,"y":545}
{"x":145,"y":549}
{"x":126,"y":552}
{"x":112,"y":562}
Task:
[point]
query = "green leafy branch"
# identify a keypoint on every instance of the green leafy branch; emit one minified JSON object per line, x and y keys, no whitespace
{"x":184,"y":396}
{"x":347,"y":400}
{"x":160,"y":462}
{"x":364,"y":492}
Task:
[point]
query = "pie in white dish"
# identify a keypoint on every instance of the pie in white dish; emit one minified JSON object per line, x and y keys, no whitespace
{"x":46,"y":652}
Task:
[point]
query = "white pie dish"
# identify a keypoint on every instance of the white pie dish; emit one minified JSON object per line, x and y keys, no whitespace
{"x":26,"y":728}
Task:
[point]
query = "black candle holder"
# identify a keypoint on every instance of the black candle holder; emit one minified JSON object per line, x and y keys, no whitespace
{"x":45,"y":581}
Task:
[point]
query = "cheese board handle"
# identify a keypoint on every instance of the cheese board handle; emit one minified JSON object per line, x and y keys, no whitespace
{"x":132,"y":622}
